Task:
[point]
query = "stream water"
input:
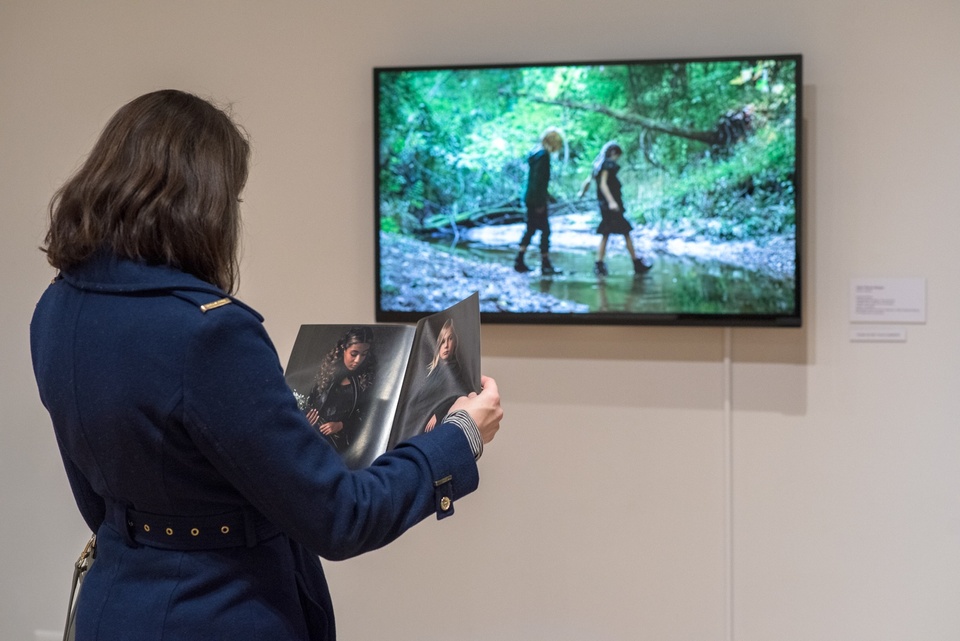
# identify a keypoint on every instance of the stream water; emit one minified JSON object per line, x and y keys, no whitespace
{"x":683,"y":278}
{"x":673,"y":284}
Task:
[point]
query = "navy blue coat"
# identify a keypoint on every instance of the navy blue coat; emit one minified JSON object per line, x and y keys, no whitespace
{"x":170,"y":412}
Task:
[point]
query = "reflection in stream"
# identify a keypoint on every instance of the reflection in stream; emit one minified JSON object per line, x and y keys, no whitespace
{"x":674,"y":284}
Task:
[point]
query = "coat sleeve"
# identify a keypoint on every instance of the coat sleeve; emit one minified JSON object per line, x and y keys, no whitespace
{"x":244,"y":418}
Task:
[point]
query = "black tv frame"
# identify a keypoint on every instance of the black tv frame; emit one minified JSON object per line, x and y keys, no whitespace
{"x":789,"y":318}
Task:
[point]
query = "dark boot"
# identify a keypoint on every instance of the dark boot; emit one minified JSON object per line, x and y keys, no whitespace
{"x":519,"y":265}
{"x":639,"y":266}
{"x":600,"y":268}
{"x":547,"y":268}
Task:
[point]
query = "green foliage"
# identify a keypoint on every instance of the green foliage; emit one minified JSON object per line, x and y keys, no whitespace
{"x":456,"y":140}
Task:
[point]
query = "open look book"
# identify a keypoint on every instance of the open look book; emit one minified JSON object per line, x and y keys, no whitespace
{"x":368,"y":387}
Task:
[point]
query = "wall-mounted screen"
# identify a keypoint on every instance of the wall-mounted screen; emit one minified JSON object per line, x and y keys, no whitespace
{"x":625,"y":192}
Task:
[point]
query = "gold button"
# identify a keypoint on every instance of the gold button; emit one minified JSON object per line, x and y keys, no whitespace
{"x":225,"y":529}
{"x":194,"y":532}
{"x":169,"y":532}
{"x":445,"y":503}
{"x":146,"y":528}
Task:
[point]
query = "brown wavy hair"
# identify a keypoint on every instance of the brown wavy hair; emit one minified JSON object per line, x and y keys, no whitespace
{"x":162,"y":185}
{"x":332,"y":368}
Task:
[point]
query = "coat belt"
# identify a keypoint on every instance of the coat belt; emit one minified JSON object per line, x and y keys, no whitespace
{"x":236,"y":528}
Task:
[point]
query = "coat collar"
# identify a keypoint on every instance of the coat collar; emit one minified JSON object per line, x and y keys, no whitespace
{"x":106,"y":273}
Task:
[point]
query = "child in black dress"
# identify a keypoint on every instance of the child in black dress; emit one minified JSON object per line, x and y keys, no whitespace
{"x":610,"y":200}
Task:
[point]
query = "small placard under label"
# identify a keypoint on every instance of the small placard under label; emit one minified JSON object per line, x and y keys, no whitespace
{"x":878,"y":335}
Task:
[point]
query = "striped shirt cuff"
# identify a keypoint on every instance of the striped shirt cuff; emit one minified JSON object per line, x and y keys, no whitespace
{"x":463,"y":420}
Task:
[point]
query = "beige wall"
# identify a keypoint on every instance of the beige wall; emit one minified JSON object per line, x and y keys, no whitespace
{"x":648,"y":483}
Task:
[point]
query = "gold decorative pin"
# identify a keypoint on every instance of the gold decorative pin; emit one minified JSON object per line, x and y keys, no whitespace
{"x":215,"y":304}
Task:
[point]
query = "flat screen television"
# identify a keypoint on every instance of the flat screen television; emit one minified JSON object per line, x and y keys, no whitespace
{"x":474,"y":163}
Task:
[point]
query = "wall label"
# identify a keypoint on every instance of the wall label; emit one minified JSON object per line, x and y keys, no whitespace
{"x":888,"y":300}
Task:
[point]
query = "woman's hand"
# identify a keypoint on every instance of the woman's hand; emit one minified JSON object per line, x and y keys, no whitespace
{"x":331,"y":428}
{"x":484,"y":408}
{"x":313,"y":416}
{"x":432,"y":423}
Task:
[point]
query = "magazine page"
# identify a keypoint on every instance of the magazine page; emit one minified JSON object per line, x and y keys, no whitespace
{"x":347,"y":381}
{"x":444,"y":364}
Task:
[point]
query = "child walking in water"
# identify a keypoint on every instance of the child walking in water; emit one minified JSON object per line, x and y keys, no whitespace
{"x":536,"y":198}
{"x":610,"y":200}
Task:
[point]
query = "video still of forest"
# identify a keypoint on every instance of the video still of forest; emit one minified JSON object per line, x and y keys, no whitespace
{"x":708,"y":172}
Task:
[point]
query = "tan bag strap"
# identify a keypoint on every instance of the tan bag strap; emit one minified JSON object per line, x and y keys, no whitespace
{"x":79,"y":571}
